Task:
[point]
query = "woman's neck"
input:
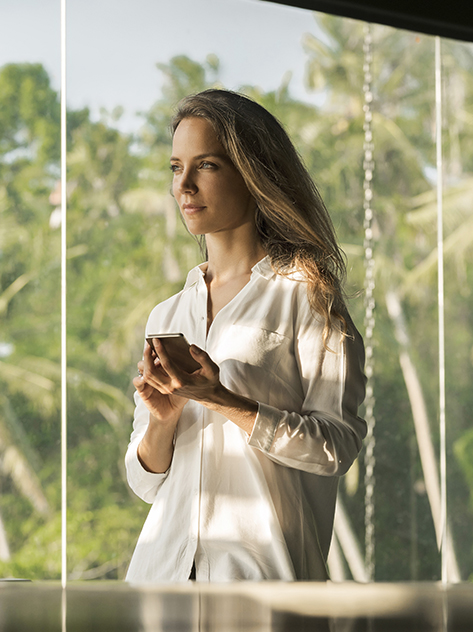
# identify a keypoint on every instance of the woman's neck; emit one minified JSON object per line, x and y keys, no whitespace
{"x":232,"y":256}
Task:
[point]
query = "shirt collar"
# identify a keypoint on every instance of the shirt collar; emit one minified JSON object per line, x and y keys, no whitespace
{"x":194,"y":275}
{"x":263,"y":268}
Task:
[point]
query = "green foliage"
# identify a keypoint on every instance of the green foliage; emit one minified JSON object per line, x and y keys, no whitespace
{"x":128,"y":250}
{"x":29,"y":113}
{"x":406,"y":261}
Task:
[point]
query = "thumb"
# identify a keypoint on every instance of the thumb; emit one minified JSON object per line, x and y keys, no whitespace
{"x":202,"y":357}
{"x":198,"y":354}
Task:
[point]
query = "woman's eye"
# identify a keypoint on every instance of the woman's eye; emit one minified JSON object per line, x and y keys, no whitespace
{"x":207,"y":165}
{"x":174,"y":168}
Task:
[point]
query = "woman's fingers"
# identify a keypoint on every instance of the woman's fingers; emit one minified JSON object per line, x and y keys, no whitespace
{"x":172,"y":368}
{"x":152,"y":385}
{"x":209,"y":367}
{"x":168,"y":378}
{"x":144,"y":389}
{"x":164,"y":359}
{"x":150,"y":373}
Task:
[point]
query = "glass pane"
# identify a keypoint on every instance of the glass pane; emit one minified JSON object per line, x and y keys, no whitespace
{"x":406,"y":382}
{"x":457,"y":61}
{"x":30,"y":527}
{"x":129,"y":250}
{"x":405,"y":337}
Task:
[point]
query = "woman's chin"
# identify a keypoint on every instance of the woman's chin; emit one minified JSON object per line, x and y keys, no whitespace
{"x":195,"y":231}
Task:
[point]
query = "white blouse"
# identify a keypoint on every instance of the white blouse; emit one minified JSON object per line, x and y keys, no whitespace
{"x":261,"y":506}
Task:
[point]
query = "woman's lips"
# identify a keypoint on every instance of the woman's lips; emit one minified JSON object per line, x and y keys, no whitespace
{"x":190,"y":209}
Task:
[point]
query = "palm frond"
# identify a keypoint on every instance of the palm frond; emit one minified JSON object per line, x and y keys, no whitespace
{"x":14,"y":464}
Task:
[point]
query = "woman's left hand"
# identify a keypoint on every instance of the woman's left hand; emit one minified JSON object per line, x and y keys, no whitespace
{"x":168,"y":378}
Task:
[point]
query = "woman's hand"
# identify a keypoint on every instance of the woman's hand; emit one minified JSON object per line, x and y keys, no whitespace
{"x":165,"y":375}
{"x":165,"y":408}
{"x":165,"y":388}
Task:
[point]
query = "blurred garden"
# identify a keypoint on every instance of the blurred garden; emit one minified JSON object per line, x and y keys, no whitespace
{"x":127,"y":250}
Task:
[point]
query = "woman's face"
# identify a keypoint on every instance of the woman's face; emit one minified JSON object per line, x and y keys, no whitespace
{"x":211,"y":193}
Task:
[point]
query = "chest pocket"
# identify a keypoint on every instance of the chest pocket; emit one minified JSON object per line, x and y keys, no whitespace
{"x":259,"y":364}
{"x":252,"y":346}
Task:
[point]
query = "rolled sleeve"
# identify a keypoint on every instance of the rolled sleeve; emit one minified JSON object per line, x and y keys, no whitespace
{"x":144,"y":484}
{"x":325,"y":437}
{"x":266,"y":422}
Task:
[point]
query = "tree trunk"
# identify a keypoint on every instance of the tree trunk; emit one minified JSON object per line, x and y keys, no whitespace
{"x":349,"y":544}
{"x":422,"y":428}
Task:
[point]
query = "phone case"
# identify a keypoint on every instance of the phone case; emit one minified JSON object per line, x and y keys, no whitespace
{"x":177,"y":348}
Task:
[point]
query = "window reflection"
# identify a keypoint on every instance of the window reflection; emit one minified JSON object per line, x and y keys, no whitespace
{"x":127,"y":250}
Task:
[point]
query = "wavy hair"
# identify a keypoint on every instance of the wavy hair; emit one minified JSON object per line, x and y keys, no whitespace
{"x":291,"y":218}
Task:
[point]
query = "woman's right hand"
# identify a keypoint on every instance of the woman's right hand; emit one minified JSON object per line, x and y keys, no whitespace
{"x":165,"y":408}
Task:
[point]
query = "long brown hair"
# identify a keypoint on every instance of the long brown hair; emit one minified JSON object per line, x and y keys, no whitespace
{"x":292,"y":221}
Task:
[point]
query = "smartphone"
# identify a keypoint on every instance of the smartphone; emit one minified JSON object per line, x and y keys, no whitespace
{"x":177,"y":348}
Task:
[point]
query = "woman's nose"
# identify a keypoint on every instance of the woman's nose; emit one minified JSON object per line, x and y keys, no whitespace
{"x":187,"y":183}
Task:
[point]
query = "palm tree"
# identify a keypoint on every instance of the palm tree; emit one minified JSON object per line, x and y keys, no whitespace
{"x":404,"y":206}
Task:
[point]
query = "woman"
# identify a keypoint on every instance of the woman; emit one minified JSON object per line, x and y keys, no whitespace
{"x":241,"y":458}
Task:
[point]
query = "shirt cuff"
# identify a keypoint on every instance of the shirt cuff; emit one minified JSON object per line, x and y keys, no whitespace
{"x":140,"y":479}
{"x":266,"y":423}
